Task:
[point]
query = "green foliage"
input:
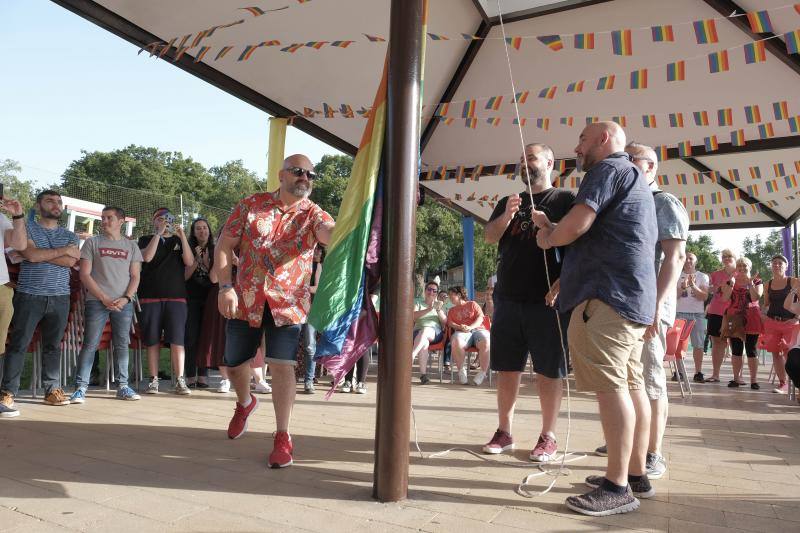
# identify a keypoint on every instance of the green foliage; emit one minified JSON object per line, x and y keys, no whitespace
{"x":761,"y":252}
{"x":14,"y":186}
{"x":334,"y":173}
{"x":485,"y":259}
{"x":707,"y":257}
{"x":440,"y":242}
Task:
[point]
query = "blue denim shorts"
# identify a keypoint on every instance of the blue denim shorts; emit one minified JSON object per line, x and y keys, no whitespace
{"x":242,"y":341}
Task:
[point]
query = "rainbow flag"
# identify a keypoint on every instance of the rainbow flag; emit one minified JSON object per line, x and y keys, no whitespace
{"x":341,"y":44}
{"x":374,"y":38}
{"x":794,"y":125}
{"x":726,"y":212}
{"x":621,"y":43}
{"x":662,"y":33}
{"x":442,"y":109}
{"x":752,"y":114}
{"x":494,"y":103}
{"x":772,"y":186}
{"x":759,"y":22}
{"x":709,"y":214}
{"x":584,"y":41}
{"x":699,"y":199}
{"x":553,"y":42}
{"x":676,"y":71}
{"x":649,"y":121}
{"x":606,"y":83}
{"x":471,"y":37}
{"x":755,"y":173}
{"x":328,"y":111}
{"x":718,"y":62}
{"x":705,"y":31}
{"x":780,"y":110}
{"x":685,"y":149}
{"x":592,"y":120}
{"x":316,"y":45}
{"x":567,"y":121}
{"x":621,"y":120}
{"x":755,"y":52}
{"x":725,"y":116}
{"x":442,"y":171}
{"x":471,"y":123}
{"x":737,"y":138}
{"x":543,"y":123}
{"x":575,"y":87}
{"x":663,"y":179}
{"x":741,"y":210}
{"x":521,"y":97}
{"x":662,"y":152}
{"x":460,"y":174}
{"x":681,"y":179}
{"x":791,"y":181}
{"x":700,"y":118}
{"x":716,"y":198}
{"x":247,"y":52}
{"x":437,"y":37}
{"x":734,"y":194}
{"x":639,"y":79}
{"x":733,"y":174}
{"x":255,"y":11}
{"x":548,"y":92}
{"x":309,"y":113}
{"x":514,"y":42}
{"x":519,"y":122}
{"x":792,"y":40}
{"x":711,"y":143}
{"x":477,"y":172}
{"x":779,"y":170}
{"x":346,"y":111}
{"x":694,"y":215}
{"x":560,"y":166}
{"x":342,"y":311}
{"x":752,"y":190}
{"x":223,"y":52}
{"x":698,"y":178}
{"x":292,"y":48}
{"x":201,"y":53}
{"x":676,"y":120}
{"x":468,"y":110}
{"x":766,"y":131}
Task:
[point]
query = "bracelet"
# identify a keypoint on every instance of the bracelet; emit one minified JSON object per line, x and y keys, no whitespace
{"x":127,"y":297}
{"x":226,"y":286}
{"x":17,"y":217}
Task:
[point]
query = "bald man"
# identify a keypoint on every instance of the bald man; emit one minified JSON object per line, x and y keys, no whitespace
{"x":609,"y":284}
{"x":275,"y":234}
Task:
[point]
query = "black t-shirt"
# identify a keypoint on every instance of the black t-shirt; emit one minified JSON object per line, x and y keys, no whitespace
{"x":520,"y":262}
{"x":162,"y":277}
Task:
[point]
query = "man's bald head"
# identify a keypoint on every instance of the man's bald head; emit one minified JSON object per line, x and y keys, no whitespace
{"x":645,"y":158}
{"x":598,"y":141}
{"x":298,"y":160}
{"x":294,"y":176}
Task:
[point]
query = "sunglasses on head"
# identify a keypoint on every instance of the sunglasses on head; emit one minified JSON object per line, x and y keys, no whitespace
{"x":431,"y":289}
{"x":297,"y":172}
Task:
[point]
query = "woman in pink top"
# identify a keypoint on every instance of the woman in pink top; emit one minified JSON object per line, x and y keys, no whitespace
{"x":716,"y":309}
{"x":743,"y":298}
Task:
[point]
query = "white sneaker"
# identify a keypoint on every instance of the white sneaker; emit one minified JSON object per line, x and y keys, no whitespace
{"x":361,"y":388}
{"x":152,"y":387}
{"x":479,"y":377}
{"x":262,"y":387}
{"x":181,"y":387}
{"x":347,"y":387}
{"x":224,"y":386}
{"x":462,"y":375}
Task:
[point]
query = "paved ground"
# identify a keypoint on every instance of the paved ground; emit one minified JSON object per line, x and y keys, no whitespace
{"x":165,"y":464}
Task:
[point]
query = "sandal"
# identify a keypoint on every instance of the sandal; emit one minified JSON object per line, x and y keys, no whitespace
{"x":712,"y":380}
{"x":733,"y":384}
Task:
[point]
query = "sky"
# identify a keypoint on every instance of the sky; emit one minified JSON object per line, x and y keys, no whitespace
{"x":68,"y":85}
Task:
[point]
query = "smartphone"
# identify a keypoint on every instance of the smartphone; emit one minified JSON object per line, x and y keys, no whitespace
{"x":169,"y":218}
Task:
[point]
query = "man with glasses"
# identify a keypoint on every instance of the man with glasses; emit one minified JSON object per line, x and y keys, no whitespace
{"x":275,"y":233}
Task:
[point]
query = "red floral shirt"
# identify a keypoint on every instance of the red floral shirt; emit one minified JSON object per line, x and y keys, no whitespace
{"x":276,"y":252}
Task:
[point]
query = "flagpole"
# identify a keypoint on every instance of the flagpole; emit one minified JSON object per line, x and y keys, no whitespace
{"x":392,"y":431}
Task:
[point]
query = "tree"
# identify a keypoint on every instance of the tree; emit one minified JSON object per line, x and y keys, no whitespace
{"x":707,"y":257}
{"x":334,"y":173}
{"x":15,"y":186}
{"x":761,"y":252}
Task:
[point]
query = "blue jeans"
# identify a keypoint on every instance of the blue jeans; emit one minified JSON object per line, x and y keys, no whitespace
{"x":308,"y":344}
{"x":95,"y":320}
{"x":50,"y":314}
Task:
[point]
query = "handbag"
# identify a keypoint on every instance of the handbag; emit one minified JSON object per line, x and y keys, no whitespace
{"x":733,"y":326}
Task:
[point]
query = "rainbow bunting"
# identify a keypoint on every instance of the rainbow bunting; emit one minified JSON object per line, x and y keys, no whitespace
{"x":734,"y":194}
{"x":780,"y":110}
{"x":223,"y":52}
{"x":514,"y":42}
{"x":737,"y":138}
{"x":346,"y":111}
{"x":733,"y":174}
{"x":759,"y":22}
{"x":447,"y":120}
{"x":520,"y":122}
{"x":755,"y":172}
{"x":200,"y":36}
{"x":639,"y":79}
{"x":715,"y":176}
{"x":543,"y":123}
{"x":705,"y":31}
{"x":699,"y":199}
{"x":649,"y":121}
{"x":685,"y":149}
{"x":700,"y":118}
{"x":663,"y":179}
{"x":662,"y":33}
{"x":676,"y":120}
{"x":752,"y":114}
{"x":476,"y":173}
{"x":709,"y":214}
{"x":521,"y":97}
{"x":460,"y":174}
{"x":494,"y":121}
{"x":316,"y":45}
{"x":180,"y":53}
{"x":725,"y":116}
{"x":328,"y":111}
{"x":711,"y":143}
{"x":592,"y":120}
{"x":575,"y":87}
{"x":201,"y":53}
{"x":437,"y":37}
{"x":606,"y":83}
{"x":292,"y":48}
{"x":255,"y":11}
{"x":779,"y":170}
{"x":553,"y":42}
{"x":681,"y":179}
{"x":662,"y":152}
{"x":621,"y":120}
{"x":676,"y":71}
{"x":698,"y":178}
{"x":716,"y":198}
{"x":470,"y":37}
{"x":794,"y":125}
{"x":560,"y":166}
{"x":468,"y":110}
{"x":494,"y":103}
{"x":694,"y":215}
{"x":726,"y":212}
{"x":471,"y":123}
{"x":741,"y":210}
{"x":621,"y":43}
{"x":341,"y":44}
{"x":309,"y":113}
{"x":442,"y":171}
{"x":584,"y":41}
{"x":247,"y":52}
{"x":755,"y":52}
{"x":567,"y":121}
{"x":548,"y":92}
{"x":364,"y":112}
{"x":442,"y":109}
{"x":374,"y":38}
{"x":718,"y":62}
{"x":183,"y":41}
{"x":752,"y":190}
{"x":166,"y":47}
{"x":766,"y":131}
{"x":791,"y":181}
{"x":792,"y":40}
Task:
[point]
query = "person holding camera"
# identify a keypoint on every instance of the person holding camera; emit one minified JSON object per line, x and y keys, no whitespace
{"x":716,"y":309}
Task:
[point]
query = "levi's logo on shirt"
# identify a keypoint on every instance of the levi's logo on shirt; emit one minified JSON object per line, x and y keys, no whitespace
{"x":115,"y":253}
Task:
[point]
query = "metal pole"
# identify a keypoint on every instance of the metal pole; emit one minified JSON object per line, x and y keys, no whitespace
{"x":786,"y":242}
{"x":393,"y":431}
{"x":796,"y":271}
{"x":183,"y":221}
{"x":468,"y":228}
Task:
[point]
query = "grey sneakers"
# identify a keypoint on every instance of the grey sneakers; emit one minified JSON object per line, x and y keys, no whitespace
{"x":656,"y":465}
{"x":603,"y":502}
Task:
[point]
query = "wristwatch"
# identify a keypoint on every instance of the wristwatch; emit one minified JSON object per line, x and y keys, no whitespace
{"x":17,"y":217}
{"x":226,"y":286}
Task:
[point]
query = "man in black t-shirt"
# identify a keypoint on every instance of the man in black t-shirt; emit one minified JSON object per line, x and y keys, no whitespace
{"x":162,"y":295}
{"x":525,"y":320}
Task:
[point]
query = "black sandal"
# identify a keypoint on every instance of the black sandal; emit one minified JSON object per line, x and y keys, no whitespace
{"x":733,"y":384}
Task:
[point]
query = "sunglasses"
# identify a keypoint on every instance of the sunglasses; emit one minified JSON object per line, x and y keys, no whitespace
{"x":431,"y":289}
{"x":297,"y":172}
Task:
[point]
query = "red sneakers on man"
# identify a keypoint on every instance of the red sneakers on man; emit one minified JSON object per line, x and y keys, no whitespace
{"x":501,"y":442}
{"x":545,"y":449}
{"x":238,"y":424}
{"x":281,"y":455}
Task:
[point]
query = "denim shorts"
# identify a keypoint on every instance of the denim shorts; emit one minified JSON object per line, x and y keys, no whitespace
{"x":242,"y":341}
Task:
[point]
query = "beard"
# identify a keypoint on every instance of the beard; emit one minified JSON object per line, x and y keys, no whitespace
{"x":532,"y":176}
{"x":300,"y":189}
{"x":51,"y":216}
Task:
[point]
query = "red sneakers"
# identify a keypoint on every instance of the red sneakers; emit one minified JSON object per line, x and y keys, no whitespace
{"x":545,"y":449}
{"x":238,"y":424}
{"x":281,"y":455}
{"x":501,"y":442}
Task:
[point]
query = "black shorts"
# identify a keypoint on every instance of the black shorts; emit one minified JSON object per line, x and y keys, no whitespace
{"x":713,"y":325}
{"x":167,"y":316}
{"x":242,"y":341}
{"x":520,"y":328}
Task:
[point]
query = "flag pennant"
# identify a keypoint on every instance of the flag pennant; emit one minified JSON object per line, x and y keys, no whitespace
{"x":374,"y":38}
{"x":199,"y":37}
{"x":567,"y":121}
{"x":543,"y":123}
{"x":606,"y":83}
{"x":520,"y":122}
{"x":649,"y":121}
{"x":700,"y":118}
{"x":726,"y":212}
{"x":681,"y":179}
{"x":709,"y":214}
{"x":718,"y":62}
{"x":442,"y":171}
{"x":766,"y":131}
{"x":468,"y":110}
{"x":741,"y":210}
{"x":223,"y":52}
{"x":442,"y":109}
{"x":779,"y":170}
{"x":514,"y":42}
{"x":309,"y":113}
{"x":292,"y":48}
{"x":662,"y":152}
{"x":716,"y":198}
{"x":476,"y":173}
{"x":694,"y":215}
{"x":341,"y":44}
{"x":560,"y":166}
{"x":733,"y":174}
{"x":346,"y":111}
{"x":737,"y":138}
{"x":621,"y":120}
{"x":755,"y":52}
{"x":639,"y":79}
{"x":685,"y":149}
{"x":781,"y":110}
{"x":592,"y":120}
{"x":521,"y":97}
{"x":255,"y":11}
{"x":752,"y":190}
{"x":316,"y":45}
{"x":437,"y":37}
{"x":494,"y":121}
{"x":794,"y":125}
{"x":791,"y":181}
{"x":792,"y":40}
{"x":584,"y":41}
{"x":662,"y":33}
{"x":759,"y":22}
{"x":676,"y":71}
{"x":364,"y":112}
{"x":470,"y":37}
{"x":725,"y":117}
{"x":247,"y":52}
{"x":460,"y":174}
{"x":328,"y":111}
{"x":752,"y":114}
{"x":166,"y":47}
{"x":621,"y":43}
{"x":711,"y":143}
{"x":705,"y":31}
{"x":201,"y":53}
{"x":676,"y":120}
{"x":471,"y":123}
{"x":553,"y":42}
{"x":734,"y":194}
{"x":447,"y":120}
{"x":494,"y":103}
{"x":548,"y":92}
{"x":755,"y":173}
{"x":663,"y":179}
{"x":575,"y":87}
{"x":699,"y":199}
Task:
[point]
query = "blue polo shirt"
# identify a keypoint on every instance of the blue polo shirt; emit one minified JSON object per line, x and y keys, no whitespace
{"x":46,"y":279}
{"x":613,"y":261}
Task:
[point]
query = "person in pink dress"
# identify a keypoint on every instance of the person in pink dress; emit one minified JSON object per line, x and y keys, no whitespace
{"x":743,"y":296}
{"x":716,"y":309}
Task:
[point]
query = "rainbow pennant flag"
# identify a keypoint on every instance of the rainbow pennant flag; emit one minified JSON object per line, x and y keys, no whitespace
{"x":346,"y":111}
{"x":460,"y":174}
{"x":471,"y":123}
{"x":316,"y":45}
{"x":543,"y":123}
{"x":514,"y":42}
{"x":374,"y":38}
{"x":341,"y":44}
{"x":676,"y":120}
{"x":699,"y":179}
{"x":759,"y":22}
{"x":699,"y":199}
{"x":681,"y":179}
{"x":700,"y":118}
{"x":766,"y":131}
{"x":755,"y":173}
{"x":711,"y":143}
{"x":584,"y":41}
{"x":292,"y":48}
{"x":621,"y":120}
{"x":694,"y":216}
{"x":791,"y":181}
{"x":521,"y":97}
{"x":779,"y":170}
{"x":639,"y":79}
{"x":737,"y":138}
{"x":676,"y":71}
{"x":493,"y":121}
{"x":705,"y":31}
{"x":649,"y":121}
{"x":471,"y":37}
{"x":592,"y":120}
{"x":621,"y":43}
{"x":792,"y":40}
{"x":201,"y":53}
{"x":780,"y":110}
{"x":755,"y":52}
{"x":663,"y":179}
{"x":752,"y":114}
{"x":726,"y":212}
{"x":709,"y":214}
{"x":725,"y":116}
{"x":494,"y":103}
{"x":519,"y":122}
{"x":794,"y":125}
{"x":733,"y":174}
{"x":247,"y":52}
{"x":468,"y":110}
{"x":752,"y":190}
{"x":662,"y":33}
{"x":223,"y":52}
{"x":442,"y":109}
{"x":328,"y":111}
{"x":716,"y":198}
{"x":569,"y":121}
{"x":606,"y":83}
{"x":685,"y":149}
{"x":476,"y":172}
{"x":662,"y":152}
{"x":437,"y":37}
{"x":575,"y":87}
{"x":553,"y":42}
{"x":548,"y":92}
{"x":718,"y":62}
{"x":772,"y":186}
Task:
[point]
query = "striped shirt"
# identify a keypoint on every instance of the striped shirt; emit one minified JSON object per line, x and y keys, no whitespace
{"x":46,"y":279}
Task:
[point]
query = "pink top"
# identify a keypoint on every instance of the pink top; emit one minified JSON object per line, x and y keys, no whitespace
{"x":718,"y":305}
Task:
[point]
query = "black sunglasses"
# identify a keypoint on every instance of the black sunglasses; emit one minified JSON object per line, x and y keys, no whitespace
{"x":297,"y":172}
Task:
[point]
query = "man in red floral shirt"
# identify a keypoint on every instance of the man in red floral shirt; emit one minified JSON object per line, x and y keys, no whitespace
{"x":275,"y":235}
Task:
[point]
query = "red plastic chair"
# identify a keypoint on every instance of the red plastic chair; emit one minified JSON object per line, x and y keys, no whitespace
{"x":487,"y":325}
{"x":438,"y":348}
{"x":677,"y":344}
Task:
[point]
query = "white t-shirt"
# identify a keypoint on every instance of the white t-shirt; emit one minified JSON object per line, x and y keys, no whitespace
{"x":5,"y":225}
{"x":687,"y":303}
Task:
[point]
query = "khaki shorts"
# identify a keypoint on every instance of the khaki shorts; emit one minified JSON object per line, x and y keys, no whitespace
{"x":605,"y":349}
{"x":653,"y":351}
{"x":6,"y":312}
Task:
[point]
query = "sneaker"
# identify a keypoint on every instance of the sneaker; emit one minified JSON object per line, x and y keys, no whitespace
{"x":501,"y":441}
{"x":262,"y":387}
{"x":361,"y":388}
{"x":224,"y":386}
{"x":127,"y":393}
{"x":699,"y":378}
{"x":347,"y":386}
{"x":545,"y":449}
{"x":7,"y":407}
{"x":281,"y":455}
{"x":656,"y":465}
{"x":733,"y":384}
{"x":79,"y":396}
{"x":783,"y":388}
{"x":479,"y":377}
{"x":601,"y":451}
{"x":181,"y":388}
{"x":56,"y":397}
{"x":152,"y":387}
{"x":238,"y":424}
{"x":308,"y":386}
{"x":462,"y":375}
{"x":755,"y":386}
{"x":640,"y":489}
{"x":424,"y":379}
{"x":602,"y":502}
